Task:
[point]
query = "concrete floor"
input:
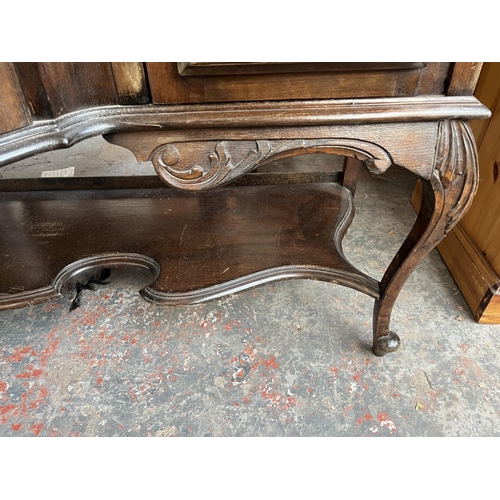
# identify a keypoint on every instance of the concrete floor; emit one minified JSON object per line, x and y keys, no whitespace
{"x":289,"y":359}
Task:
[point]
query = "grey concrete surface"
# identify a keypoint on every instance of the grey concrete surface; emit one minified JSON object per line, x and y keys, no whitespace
{"x":288,"y":359}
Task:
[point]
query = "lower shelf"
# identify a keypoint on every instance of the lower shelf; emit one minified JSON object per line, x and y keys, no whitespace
{"x":198,"y":245}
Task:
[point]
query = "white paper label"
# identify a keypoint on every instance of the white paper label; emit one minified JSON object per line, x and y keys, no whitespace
{"x":63,"y":172}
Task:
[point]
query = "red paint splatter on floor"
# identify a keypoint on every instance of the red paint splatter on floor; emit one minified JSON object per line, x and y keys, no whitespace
{"x":229,"y":326}
{"x":271,"y":362}
{"x":18,"y":354}
{"x":16,"y":427}
{"x":35,"y":394}
{"x":36,"y":429}
{"x":367,"y":417}
{"x":42,"y":394}
{"x":51,"y":307}
{"x":6,"y":410}
{"x":334,"y":370}
{"x":24,"y":398}
{"x":30,"y":371}
{"x":471,"y":366}
{"x":357,"y":378}
{"x":3,"y":389}
{"x":385,"y":421}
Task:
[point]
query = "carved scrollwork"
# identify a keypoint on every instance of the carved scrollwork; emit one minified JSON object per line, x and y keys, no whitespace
{"x":456,"y":167}
{"x":206,"y":164}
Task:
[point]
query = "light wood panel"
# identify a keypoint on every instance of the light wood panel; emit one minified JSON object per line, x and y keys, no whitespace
{"x":130,"y":82}
{"x":488,"y":91}
{"x":482,"y":222}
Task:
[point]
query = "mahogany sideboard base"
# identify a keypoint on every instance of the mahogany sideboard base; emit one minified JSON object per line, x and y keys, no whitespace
{"x":208,"y":238}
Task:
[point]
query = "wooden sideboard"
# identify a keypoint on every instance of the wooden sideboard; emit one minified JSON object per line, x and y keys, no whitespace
{"x":207,"y":127}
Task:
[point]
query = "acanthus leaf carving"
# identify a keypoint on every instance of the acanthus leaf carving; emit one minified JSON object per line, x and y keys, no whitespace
{"x":456,"y":168}
{"x":205,"y":164}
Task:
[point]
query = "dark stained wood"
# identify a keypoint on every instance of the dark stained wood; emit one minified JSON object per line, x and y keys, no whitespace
{"x":445,"y":198}
{"x":13,"y":111}
{"x":81,"y":183}
{"x":350,"y":174}
{"x":73,"y":86}
{"x":202,"y":159}
{"x":464,"y":78}
{"x":255,"y":68}
{"x":130,"y":81}
{"x":154,"y":182}
{"x":218,"y":240}
{"x":33,"y":90}
{"x":245,"y":235}
{"x":260,"y":82}
{"x":433,"y":78}
{"x":301,"y":86}
{"x":282,"y":118}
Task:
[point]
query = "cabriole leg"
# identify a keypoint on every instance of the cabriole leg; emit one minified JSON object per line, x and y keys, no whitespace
{"x":445,"y":198}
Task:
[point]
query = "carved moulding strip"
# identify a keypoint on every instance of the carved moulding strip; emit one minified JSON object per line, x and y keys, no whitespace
{"x":67,"y":130}
{"x":363,"y":284}
{"x":205,"y":164}
{"x":65,"y":279}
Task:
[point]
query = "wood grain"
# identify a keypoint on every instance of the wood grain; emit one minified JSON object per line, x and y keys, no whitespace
{"x":488,"y":92}
{"x":482,"y":223}
{"x":246,"y":235}
{"x":167,"y":86}
{"x":433,"y":78}
{"x":473,"y":274}
{"x":13,"y":111}
{"x":74,"y":86}
{"x":491,"y":313}
{"x":201,"y":245}
{"x":130,"y":81}
{"x":445,"y":198}
{"x":66,"y":130}
{"x":464,"y":78}
{"x":33,"y":90}
{"x":407,"y":144}
{"x":218,"y":82}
